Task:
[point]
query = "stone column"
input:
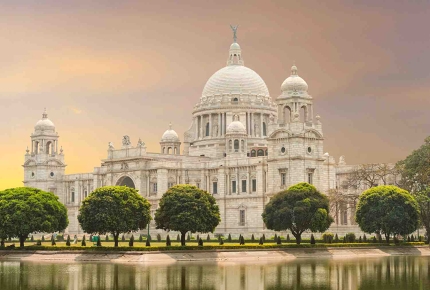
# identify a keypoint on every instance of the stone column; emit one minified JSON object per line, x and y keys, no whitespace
{"x":251,"y":124}
{"x":261,"y":125}
{"x":210,"y":125}
{"x":196,"y":120}
{"x":219,"y":125}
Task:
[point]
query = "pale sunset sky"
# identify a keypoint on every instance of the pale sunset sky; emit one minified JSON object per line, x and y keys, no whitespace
{"x":104,"y":69}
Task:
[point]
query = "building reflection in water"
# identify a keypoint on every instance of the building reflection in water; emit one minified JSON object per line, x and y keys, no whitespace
{"x":375,"y":273}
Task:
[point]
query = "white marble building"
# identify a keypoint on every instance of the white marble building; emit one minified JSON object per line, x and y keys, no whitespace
{"x":242,"y":146}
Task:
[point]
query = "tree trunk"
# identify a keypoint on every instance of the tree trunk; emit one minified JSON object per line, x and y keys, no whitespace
{"x":116,"y":237}
{"x":22,"y":241}
{"x":387,"y":238}
{"x":298,"y":237}
{"x":183,"y":238}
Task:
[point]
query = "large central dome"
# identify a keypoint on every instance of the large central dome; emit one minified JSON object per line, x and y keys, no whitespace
{"x":235,"y":79}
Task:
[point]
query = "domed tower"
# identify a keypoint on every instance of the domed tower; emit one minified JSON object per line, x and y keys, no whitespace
{"x":236,"y":139}
{"x":44,"y":163}
{"x":234,"y":90}
{"x":170,"y":143}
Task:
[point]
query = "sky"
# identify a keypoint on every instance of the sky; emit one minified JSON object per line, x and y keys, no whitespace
{"x":106,"y":69}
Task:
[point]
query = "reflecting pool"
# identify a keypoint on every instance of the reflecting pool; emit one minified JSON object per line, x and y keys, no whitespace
{"x":400,"y":272}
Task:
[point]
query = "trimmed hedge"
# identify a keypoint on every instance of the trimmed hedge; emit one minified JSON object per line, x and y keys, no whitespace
{"x":215,"y":247}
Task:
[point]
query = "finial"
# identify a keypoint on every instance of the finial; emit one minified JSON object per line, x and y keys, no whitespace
{"x":45,"y":114}
{"x":294,"y":69}
{"x":27,"y":150}
{"x":170,"y":125}
{"x":234,"y":28}
{"x":61,"y":150}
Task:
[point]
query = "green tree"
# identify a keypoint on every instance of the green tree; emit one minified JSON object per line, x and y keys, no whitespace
{"x":25,"y":210}
{"x":299,"y":208}
{"x":415,"y":178}
{"x":186,"y":208}
{"x":115,"y":210}
{"x":387,"y":210}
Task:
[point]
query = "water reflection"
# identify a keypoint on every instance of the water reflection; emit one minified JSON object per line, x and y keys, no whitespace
{"x":376,"y":273}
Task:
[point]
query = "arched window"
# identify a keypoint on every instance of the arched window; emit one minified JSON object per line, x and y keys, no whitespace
{"x":260,"y":152}
{"x":303,"y":114}
{"x":253,"y":153}
{"x":264,"y":129}
{"x":176,"y":151}
{"x":287,"y":114}
{"x":169,"y":150}
{"x":236,"y":145}
{"x":207,"y":129}
{"x":48,"y":149}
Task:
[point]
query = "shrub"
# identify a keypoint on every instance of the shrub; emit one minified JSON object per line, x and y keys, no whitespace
{"x":350,"y":238}
{"x":123,"y":238}
{"x":242,"y":240}
{"x":336,"y":238}
{"x":148,"y":242}
{"x":264,"y":238}
{"x":99,"y":241}
{"x":420,"y":238}
{"x":229,"y":238}
{"x":359,"y":240}
{"x":409,"y":239}
{"x":178,"y":238}
{"x":364,"y":238}
{"x":140,"y":238}
{"x":53,"y":243}
{"x":380,"y":239}
{"x":131,"y":241}
{"x":221,"y":242}
{"x":32,"y":238}
{"x":278,"y":241}
{"x":288,"y":238}
{"x":198,"y":238}
{"x":252,"y":238}
{"x":43,"y":238}
{"x":68,"y":241}
{"x":312,"y":239}
{"x":327,"y":238}
{"x":200,"y":242}
{"x":158,"y":238}
{"x":107,"y":238}
{"x":261,"y":242}
{"x":188,"y":237}
{"x":412,"y":238}
{"x":396,"y":240}
{"x":374,"y":240}
{"x":39,"y":243}
{"x":83,"y":243}
{"x":208,"y":238}
{"x":275,"y":238}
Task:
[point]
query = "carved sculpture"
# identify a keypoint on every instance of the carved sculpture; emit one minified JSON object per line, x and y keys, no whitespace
{"x":111,"y":146}
{"x":126,"y":140}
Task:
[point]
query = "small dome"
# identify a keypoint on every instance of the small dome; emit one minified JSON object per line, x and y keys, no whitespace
{"x":236,"y":127}
{"x":170,"y":135}
{"x":294,"y":83}
{"x":234,"y":45}
{"x":44,"y":124}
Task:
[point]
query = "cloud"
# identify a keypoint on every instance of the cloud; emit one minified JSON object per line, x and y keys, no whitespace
{"x":76,"y":110}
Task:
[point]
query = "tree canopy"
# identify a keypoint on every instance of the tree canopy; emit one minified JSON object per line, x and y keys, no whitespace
{"x":299,"y":208}
{"x":115,"y":210}
{"x":25,"y":210}
{"x":387,"y":210}
{"x":186,"y":208}
{"x":415,"y":172}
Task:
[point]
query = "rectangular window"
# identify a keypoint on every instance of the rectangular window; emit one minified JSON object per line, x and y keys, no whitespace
{"x":233,"y":186}
{"x":170,"y":184}
{"x":73,"y":196}
{"x":243,"y":185}
{"x":198,"y":185}
{"x":154,"y":187}
{"x":242,"y":217}
{"x":310,"y":178}
{"x":254,"y":185}
{"x":215,"y":187}
{"x":86,"y":194}
{"x":283,"y":179}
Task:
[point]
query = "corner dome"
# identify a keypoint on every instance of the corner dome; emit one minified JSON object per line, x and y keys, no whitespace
{"x":44,"y":124}
{"x":235,"y":79}
{"x":294,"y":83}
{"x":170,"y":135}
{"x":236,"y":127}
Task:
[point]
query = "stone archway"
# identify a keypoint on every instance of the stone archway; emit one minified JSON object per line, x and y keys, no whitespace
{"x":126,"y":181}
